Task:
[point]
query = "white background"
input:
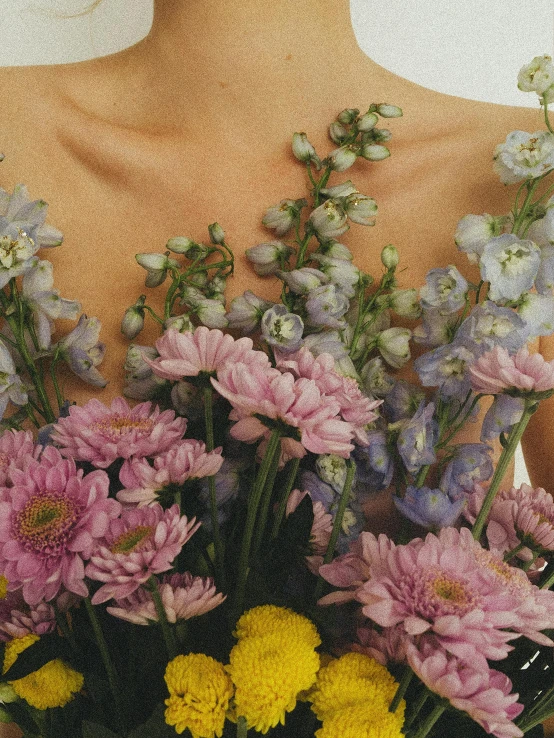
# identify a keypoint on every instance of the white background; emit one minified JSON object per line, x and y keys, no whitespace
{"x":472,"y":49}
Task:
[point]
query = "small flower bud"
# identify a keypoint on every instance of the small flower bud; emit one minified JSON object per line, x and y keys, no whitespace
{"x":389,"y":257}
{"x":302,"y":148}
{"x":335,"y":250}
{"x":374,"y":152}
{"x":217,"y":234}
{"x":211,"y":313}
{"x":337,"y":132}
{"x":361,"y":209}
{"x":389,"y":111}
{"x":348,"y":115}
{"x":303,"y":281}
{"x":280,"y":218}
{"x":393,"y":344}
{"x":181,"y":323}
{"x":341,"y":190}
{"x":156,"y":265}
{"x":191,"y":296}
{"x":133,"y":319}
{"x":181,"y":245}
{"x":367,"y":122}
{"x":268,"y":257}
{"x":246,"y":312}
{"x":405,"y":303}
{"x":342,"y":158}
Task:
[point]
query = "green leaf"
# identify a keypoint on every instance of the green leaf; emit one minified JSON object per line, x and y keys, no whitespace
{"x":154,"y":727}
{"x":95,"y":730}
{"x":48,"y":648}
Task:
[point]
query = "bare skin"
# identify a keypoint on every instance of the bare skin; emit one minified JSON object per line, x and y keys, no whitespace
{"x":193,"y":124}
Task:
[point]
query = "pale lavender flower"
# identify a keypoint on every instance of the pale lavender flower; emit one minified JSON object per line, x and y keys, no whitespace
{"x":282,"y":329}
{"x":375,"y":379}
{"x":417,"y":438}
{"x":303,"y":149}
{"x":394,"y":346}
{"x":157,"y":266}
{"x":489,"y":325}
{"x":405,"y":303}
{"x":446,"y":368}
{"x":45,"y":302}
{"x":444,"y":289}
{"x":341,"y":272}
{"x":303,"y":281}
{"x":12,"y":388}
{"x":246,"y":312}
{"x":524,"y":156}
{"x":280,"y":218}
{"x":436,"y":329}
{"x":342,"y":158}
{"x":329,"y":220}
{"x":510,"y":265}
{"x":268,"y":257}
{"x":402,"y":401}
{"x":132,"y":322}
{"x":335,"y":250}
{"x":475,"y":231}
{"x":326,"y":307}
{"x":374,"y":463}
{"x":227,"y":483}
{"x":504,"y":412}
{"x":472,"y":463}
{"x":140,"y":381}
{"x":211,"y":313}
{"x":538,"y":313}
{"x":83,"y":352}
{"x":544,"y":281}
{"x":430,"y":508}
{"x":28,"y":216}
{"x":329,"y":342}
{"x":361,"y":209}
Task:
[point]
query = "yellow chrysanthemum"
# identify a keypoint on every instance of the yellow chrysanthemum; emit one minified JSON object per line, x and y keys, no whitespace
{"x":363,"y":721}
{"x":265,"y":619}
{"x":199,"y":694}
{"x":53,"y":685}
{"x":269,"y":672}
{"x":3,"y":587}
{"x":354,"y":679}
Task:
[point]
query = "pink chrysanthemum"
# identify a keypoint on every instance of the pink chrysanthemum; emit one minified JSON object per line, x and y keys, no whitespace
{"x":50,"y":521}
{"x":189,"y":354}
{"x":497,"y":371}
{"x":183,"y":597}
{"x":322,"y":527}
{"x":141,"y":542}
{"x":187,"y":459}
{"x":356,"y":408}
{"x":385,"y":646}
{"x":296,"y":403}
{"x":100,"y":434}
{"x":434,"y":586}
{"x":17,"y":449}
{"x":483,"y":693}
{"x":17,"y":619}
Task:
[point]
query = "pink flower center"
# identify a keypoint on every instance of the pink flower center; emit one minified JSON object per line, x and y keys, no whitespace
{"x":440,"y":593}
{"x":132,"y":540}
{"x":515,"y":583}
{"x":45,"y":523}
{"x":119,"y":425}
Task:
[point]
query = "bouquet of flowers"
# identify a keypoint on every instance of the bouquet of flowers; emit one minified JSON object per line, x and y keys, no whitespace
{"x":197,"y":563}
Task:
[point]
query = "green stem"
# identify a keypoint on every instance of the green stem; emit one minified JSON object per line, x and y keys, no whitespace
{"x":63,"y":625}
{"x":113,"y":679}
{"x":505,"y":457}
{"x":515,"y":550}
{"x":549,"y":581}
{"x":415,"y":708}
{"x":242,"y":729}
{"x":422,"y":475}
{"x":402,"y":687}
{"x":282,"y":505}
{"x":265,"y":503}
{"x":169,"y":637}
{"x":430,"y":720}
{"x":337,"y":524}
{"x":273,"y":447}
{"x":218,"y":543}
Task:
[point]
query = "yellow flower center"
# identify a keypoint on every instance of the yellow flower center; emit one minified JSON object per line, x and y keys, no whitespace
{"x":45,"y":522}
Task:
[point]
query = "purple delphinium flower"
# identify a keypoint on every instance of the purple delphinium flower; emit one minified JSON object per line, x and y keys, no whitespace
{"x":282,"y":329}
{"x":402,"y":401}
{"x":268,"y":257}
{"x":83,"y":352}
{"x":510,"y":266}
{"x":416,"y":441}
{"x":303,"y":281}
{"x":374,"y":463}
{"x":504,"y":412}
{"x":444,"y":289}
{"x":472,"y":463}
{"x":326,"y":307}
{"x":28,"y":216}
{"x":340,"y":272}
{"x":11,"y":387}
{"x":489,"y":325}
{"x":446,"y":368}
{"x":436,"y":328}
{"x":375,"y":379}
{"x":544,"y":281}
{"x":430,"y":508}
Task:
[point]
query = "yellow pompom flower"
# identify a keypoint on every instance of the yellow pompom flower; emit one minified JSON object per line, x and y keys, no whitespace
{"x":3,"y":587}
{"x":53,"y":685}
{"x":199,"y":694}
{"x":265,"y":619}
{"x":273,"y":662}
{"x":352,"y":697}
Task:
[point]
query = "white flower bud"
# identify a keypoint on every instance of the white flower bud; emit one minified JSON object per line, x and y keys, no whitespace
{"x":405,"y":303}
{"x":375,"y":379}
{"x":348,"y":115}
{"x":367,"y":122}
{"x":337,"y":132}
{"x":374,"y":152}
{"x":537,"y":76}
{"x":303,"y":281}
{"x":302,"y":148}
{"x":217,"y":234}
{"x":133,"y":322}
{"x":389,"y":111}
{"x":389,"y":257}
{"x":280,"y":218}
{"x":342,"y":158}
{"x":331,"y":469}
{"x":361,"y":209}
{"x":211,"y":313}
{"x":335,"y":250}
{"x":181,"y":323}
{"x":394,"y":346}
{"x":341,"y":190}
{"x":181,"y":245}
{"x":156,"y":265}
{"x":329,"y":220}
{"x":268,"y":257}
